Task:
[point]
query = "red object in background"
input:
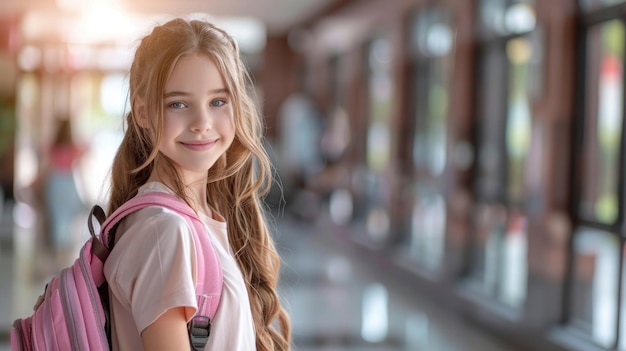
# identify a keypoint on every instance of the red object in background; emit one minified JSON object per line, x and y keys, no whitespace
{"x":9,"y":34}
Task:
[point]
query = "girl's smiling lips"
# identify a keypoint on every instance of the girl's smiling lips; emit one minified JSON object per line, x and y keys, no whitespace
{"x":198,"y":145}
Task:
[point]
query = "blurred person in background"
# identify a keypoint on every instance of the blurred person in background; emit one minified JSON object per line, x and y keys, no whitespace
{"x":58,"y":188}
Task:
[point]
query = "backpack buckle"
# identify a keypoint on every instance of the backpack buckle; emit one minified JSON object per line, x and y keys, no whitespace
{"x":199,"y":331}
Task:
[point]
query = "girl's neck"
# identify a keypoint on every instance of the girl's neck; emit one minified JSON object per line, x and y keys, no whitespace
{"x":194,"y":191}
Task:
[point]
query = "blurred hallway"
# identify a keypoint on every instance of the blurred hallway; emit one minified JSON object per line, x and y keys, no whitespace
{"x":471,"y":154}
{"x":338,"y":299}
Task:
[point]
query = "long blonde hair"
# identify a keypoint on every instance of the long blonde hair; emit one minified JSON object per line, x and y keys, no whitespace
{"x":237,"y":181}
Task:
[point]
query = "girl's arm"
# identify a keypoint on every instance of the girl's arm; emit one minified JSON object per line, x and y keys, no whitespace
{"x":167,"y":333}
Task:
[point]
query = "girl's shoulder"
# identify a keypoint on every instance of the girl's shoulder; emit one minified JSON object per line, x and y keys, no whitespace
{"x":152,"y":233}
{"x":153,"y":221}
{"x":158,"y":218}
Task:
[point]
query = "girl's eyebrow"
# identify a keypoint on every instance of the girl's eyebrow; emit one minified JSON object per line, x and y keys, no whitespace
{"x":182,"y":93}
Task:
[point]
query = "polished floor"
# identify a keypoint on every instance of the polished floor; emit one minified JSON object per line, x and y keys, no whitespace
{"x":337,"y":298}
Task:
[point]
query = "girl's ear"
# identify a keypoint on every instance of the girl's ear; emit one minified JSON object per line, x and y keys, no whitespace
{"x":139,"y":110}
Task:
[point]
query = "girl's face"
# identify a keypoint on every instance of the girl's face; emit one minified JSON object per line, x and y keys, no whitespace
{"x":198,"y":116}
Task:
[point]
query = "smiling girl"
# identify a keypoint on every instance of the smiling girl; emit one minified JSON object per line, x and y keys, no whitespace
{"x":193,"y":131}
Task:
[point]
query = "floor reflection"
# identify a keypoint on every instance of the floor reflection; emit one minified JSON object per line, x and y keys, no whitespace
{"x":340,"y":300}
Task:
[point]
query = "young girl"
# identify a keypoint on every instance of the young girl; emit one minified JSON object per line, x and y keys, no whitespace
{"x":193,"y":130}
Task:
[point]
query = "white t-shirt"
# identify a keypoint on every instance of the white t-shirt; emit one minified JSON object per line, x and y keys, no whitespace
{"x":152,"y":268}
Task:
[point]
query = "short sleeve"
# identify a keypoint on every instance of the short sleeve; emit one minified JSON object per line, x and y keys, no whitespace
{"x":153,"y":266}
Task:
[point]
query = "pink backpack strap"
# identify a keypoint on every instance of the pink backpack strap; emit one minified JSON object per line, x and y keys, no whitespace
{"x":209,"y":272}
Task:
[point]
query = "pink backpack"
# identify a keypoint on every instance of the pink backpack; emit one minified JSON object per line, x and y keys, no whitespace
{"x":74,"y":313}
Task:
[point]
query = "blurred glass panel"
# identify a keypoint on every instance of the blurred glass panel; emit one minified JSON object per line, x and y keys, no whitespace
{"x":428,"y":228}
{"x":594,"y":295}
{"x":432,"y":41}
{"x":590,"y":5}
{"x":504,"y":17}
{"x":602,"y":122}
{"x":378,"y":138}
{"x":510,"y":78}
{"x":504,"y":143}
{"x":514,"y":264}
{"x":500,"y":264}
{"x":377,"y":198}
{"x":622,"y":310}
{"x":519,"y":119}
{"x":380,"y":87}
{"x":489,"y":234}
{"x":490,"y":179}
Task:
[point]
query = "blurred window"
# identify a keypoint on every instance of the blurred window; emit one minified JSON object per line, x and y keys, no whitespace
{"x":380,"y":93}
{"x":603,"y":118}
{"x":509,"y":80}
{"x":524,"y":58}
{"x":431,"y":48}
{"x":428,"y":226}
{"x":594,"y":296}
{"x":595,"y":310}
{"x":622,"y":303}
{"x":337,"y":134}
{"x":374,"y":178}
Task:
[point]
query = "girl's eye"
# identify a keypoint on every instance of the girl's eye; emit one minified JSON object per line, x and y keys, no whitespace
{"x":176,"y":105}
{"x":218,"y":103}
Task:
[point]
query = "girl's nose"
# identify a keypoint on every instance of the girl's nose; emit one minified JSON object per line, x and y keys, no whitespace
{"x":201,"y":122}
